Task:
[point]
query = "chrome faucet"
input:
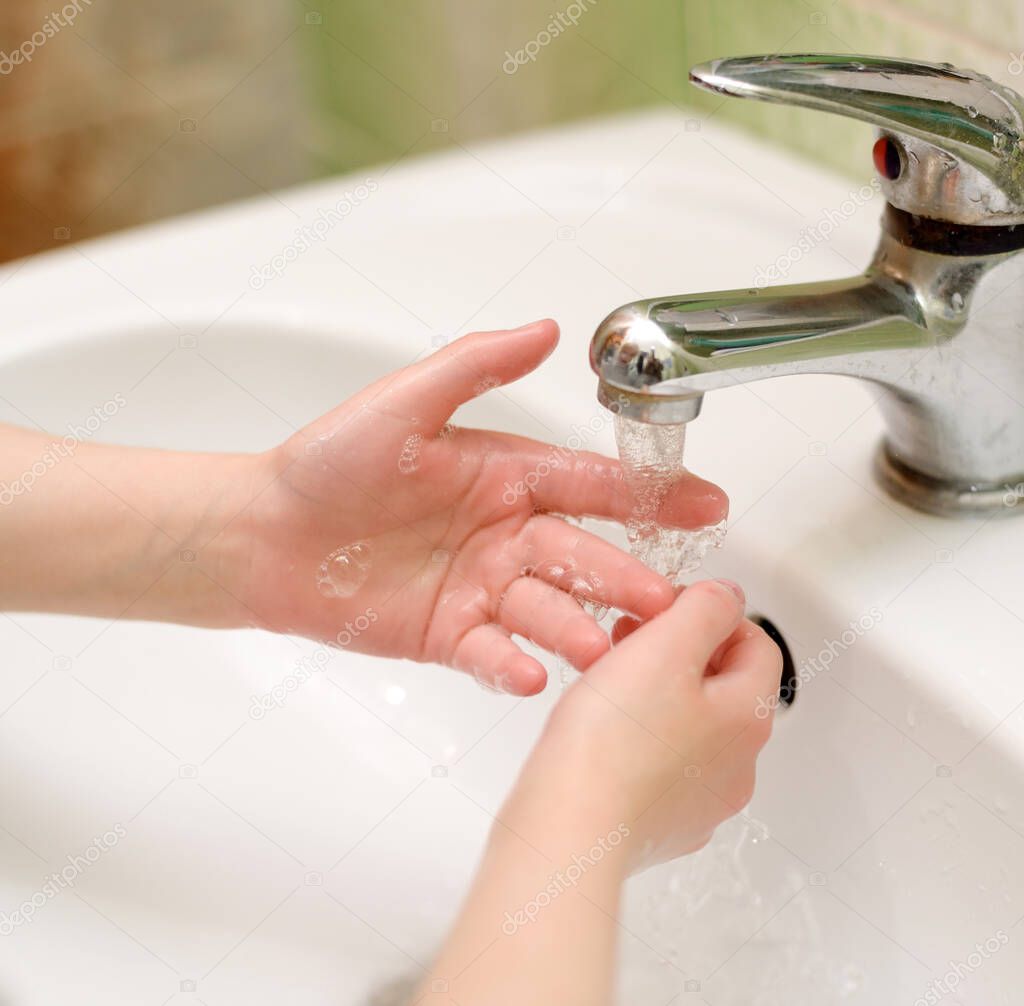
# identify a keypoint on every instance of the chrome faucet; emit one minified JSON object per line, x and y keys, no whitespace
{"x":936,"y":321}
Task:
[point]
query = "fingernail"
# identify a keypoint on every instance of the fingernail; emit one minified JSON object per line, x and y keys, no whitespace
{"x":735,"y":588}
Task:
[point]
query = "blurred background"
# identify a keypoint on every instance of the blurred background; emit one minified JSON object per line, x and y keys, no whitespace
{"x":118,"y":112}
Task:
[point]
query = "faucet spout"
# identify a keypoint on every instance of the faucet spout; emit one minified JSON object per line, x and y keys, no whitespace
{"x":654,"y":356}
{"x":934,"y":322}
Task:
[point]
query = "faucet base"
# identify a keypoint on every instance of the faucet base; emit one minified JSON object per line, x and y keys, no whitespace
{"x":946,"y":498}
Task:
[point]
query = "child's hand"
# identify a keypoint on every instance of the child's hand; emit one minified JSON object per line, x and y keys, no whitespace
{"x":645,"y":755}
{"x":446,"y":559}
{"x":660,"y":735}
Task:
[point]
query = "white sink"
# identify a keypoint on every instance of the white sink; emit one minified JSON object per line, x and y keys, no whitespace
{"x":316,"y":855}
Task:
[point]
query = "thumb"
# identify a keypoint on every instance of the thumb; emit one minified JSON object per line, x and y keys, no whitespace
{"x":683,"y":638}
{"x":434,"y":388}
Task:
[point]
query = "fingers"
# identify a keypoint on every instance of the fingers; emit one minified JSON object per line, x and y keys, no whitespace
{"x":749,"y":669}
{"x":585,"y":484}
{"x":552,"y":619}
{"x":624,"y":626}
{"x":433,"y":389}
{"x":686,"y":635}
{"x":488,"y":653}
{"x":586,"y":565}
{"x":693,"y":502}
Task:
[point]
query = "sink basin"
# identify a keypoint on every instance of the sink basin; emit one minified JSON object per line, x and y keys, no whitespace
{"x":315,"y":854}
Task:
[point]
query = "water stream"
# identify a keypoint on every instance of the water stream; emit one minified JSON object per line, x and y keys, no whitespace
{"x":652,"y":458}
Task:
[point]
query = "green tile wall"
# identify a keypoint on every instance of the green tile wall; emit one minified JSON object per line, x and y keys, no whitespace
{"x":406,"y":76}
{"x":985,"y":36}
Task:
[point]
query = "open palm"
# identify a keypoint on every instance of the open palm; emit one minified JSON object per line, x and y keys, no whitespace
{"x":387,"y":530}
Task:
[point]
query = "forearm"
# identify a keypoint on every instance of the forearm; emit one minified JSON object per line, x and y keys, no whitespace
{"x":114,"y":531}
{"x":539,"y":925}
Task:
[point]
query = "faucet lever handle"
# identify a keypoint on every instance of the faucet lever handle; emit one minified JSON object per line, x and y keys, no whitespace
{"x":952,"y":144}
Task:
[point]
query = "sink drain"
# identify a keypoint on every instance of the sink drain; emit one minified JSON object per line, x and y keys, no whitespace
{"x":788,"y":682}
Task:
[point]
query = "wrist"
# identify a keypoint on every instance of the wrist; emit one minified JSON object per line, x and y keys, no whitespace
{"x":205,"y":505}
{"x":567,"y":812}
{"x":230,"y":535}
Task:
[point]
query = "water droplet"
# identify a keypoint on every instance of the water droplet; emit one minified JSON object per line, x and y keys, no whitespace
{"x":726,"y":316}
{"x":971,"y":111}
{"x":956,"y":300}
{"x":758,"y":832}
{"x":849,"y":980}
{"x":345,"y":570}
{"x":409,"y":459}
{"x":552,"y":570}
{"x":999,"y":142}
{"x":483,"y":680}
{"x":486,"y":384}
{"x":586,"y":589}
{"x":567,"y":674}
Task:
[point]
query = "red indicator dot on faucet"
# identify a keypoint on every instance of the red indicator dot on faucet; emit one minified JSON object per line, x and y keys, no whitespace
{"x":886,"y":155}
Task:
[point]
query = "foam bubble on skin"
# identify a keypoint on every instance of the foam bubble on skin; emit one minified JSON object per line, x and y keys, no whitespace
{"x":583,"y":587}
{"x":484,"y":385}
{"x":345,"y":570}
{"x":447,"y":431}
{"x":409,"y":459}
{"x":500,"y":685}
{"x":652,"y":462}
{"x":567,"y":674}
{"x":586,"y":589}
{"x":552,"y":571}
